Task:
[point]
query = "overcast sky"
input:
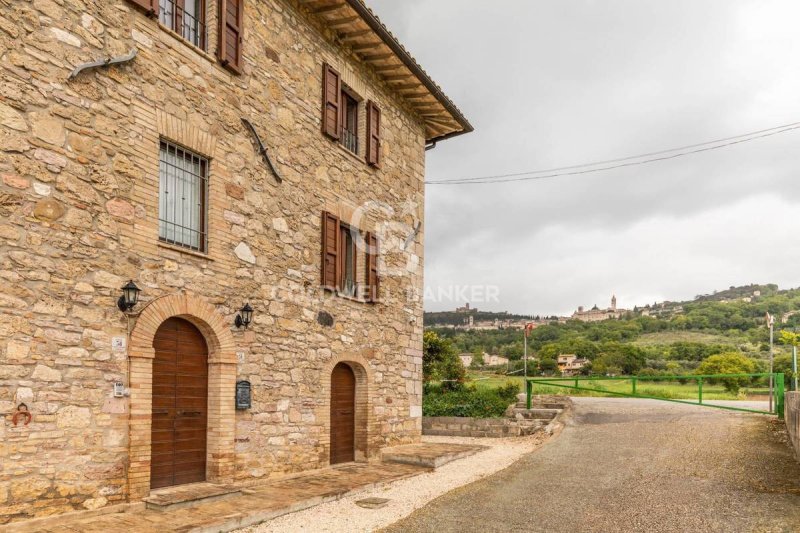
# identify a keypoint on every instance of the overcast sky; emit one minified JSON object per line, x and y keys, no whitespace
{"x":561,"y":82}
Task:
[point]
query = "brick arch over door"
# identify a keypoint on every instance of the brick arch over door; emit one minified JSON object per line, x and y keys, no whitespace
{"x":364,"y":415}
{"x":221,"y":386}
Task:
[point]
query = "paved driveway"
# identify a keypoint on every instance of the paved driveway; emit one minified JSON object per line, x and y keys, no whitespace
{"x":636,"y":465}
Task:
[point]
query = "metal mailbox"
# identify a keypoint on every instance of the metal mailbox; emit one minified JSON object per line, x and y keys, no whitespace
{"x":243,"y":395}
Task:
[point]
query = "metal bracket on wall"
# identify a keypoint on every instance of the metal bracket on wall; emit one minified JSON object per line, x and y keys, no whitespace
{"x":103,"y":63}
{"x":263,"y":150}
{"x":411,"y":238}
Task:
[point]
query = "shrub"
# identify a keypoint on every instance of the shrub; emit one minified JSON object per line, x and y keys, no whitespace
{"x":469,"y":401}
{"x":728,"y":363}
{"x":440,"y":362}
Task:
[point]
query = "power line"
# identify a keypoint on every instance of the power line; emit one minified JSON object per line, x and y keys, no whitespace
{"x":527,"y":176}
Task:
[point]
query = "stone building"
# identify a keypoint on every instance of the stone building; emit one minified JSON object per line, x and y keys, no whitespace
{"x":595,"y":314}
{"x":144,"y":169}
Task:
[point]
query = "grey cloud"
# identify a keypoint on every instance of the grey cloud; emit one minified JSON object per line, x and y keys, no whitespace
{"x":557,"y":83}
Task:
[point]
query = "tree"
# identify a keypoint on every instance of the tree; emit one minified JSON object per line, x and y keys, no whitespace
{"x":477,"y":360}
{"x":440,"y":362}
{"x":728,"y":363}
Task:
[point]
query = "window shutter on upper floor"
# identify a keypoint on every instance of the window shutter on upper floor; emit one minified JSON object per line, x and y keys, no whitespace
{"x":231,"y":24}
{"x":150,"y":6}
{"x":331,"y":102}
{"x":330,"y":251}
{"x":373,"y":134}
{"x":373,"y":280}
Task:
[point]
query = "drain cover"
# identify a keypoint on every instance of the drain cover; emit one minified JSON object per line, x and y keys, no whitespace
{"x":372,"y":503}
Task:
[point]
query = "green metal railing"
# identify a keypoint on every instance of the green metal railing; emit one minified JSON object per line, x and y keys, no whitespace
{"x":575,"y":384}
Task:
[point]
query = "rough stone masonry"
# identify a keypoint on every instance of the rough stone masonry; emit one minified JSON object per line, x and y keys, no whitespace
{"x":79,"y":217}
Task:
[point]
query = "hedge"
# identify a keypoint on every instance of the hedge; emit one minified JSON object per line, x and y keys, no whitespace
{"x":469,"y":401}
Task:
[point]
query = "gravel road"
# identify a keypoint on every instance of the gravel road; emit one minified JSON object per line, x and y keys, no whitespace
{"x":635,"y":465}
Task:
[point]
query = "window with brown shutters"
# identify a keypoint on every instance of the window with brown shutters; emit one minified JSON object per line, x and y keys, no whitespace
{"x":373,"y":134}
{"x":186,"y":18}
{"x":331,"y":102}
{"x":231,"y":22}
{"x":373,"y":281}
{"x":330,"y":251}
{"x":149,"y":6}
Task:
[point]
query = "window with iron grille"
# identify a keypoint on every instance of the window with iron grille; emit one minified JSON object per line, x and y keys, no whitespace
{"x":186,"y":18}
{"x":349,"y":135}
{"x":183,"y":190}
{"x":347,"y":284}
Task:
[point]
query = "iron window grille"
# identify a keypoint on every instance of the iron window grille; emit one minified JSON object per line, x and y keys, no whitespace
{"x":186,"y":18}
{"x":349,"y":140}
{"x":349,"y":251}
{"x":349,"y":134}
{"x":182,"y":198}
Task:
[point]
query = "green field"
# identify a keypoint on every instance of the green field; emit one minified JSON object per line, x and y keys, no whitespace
{"x":659,"y":389}
{"x":670,"y":337}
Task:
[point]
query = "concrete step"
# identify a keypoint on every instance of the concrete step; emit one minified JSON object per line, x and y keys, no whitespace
{"x":171,"y":498}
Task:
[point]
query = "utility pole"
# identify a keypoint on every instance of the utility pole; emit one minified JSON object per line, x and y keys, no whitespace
{"x":794,"y":366}
{"x":771,"y":324}
{"x":526,"y":330}
{"x":525,"y":353}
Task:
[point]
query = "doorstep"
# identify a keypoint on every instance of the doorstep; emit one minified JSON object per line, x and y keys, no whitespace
{"x":252,"y":505}
{"x":429,"y":454}
{"x":171,"y":498}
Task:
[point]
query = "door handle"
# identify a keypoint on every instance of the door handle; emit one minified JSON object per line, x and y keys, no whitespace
{"x":161,"y":412}
{"x":189,"y":413}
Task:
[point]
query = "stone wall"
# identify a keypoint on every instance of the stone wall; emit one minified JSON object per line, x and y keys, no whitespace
{"x":791,"y":414}
{"x":79,"y":217}
{"x":462,"y":426}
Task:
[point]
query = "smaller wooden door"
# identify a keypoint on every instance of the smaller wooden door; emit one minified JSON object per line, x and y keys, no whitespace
{"x":343,"y":414}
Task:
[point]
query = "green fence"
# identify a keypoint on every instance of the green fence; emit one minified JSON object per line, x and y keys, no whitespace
{"x":579,"y":383}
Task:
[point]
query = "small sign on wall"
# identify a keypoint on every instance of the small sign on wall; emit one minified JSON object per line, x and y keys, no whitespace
{"x":118,"y":344}
{"x":240,"y":357}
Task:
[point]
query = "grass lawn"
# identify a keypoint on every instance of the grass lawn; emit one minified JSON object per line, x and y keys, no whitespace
{"x":669,"y":337}
{"x":660,"y":389}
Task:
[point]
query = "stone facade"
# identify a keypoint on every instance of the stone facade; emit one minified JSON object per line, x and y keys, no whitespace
{"x":79,"y":188}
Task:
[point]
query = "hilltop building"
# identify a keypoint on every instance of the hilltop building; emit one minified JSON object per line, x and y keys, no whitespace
{"x":595,"y":314}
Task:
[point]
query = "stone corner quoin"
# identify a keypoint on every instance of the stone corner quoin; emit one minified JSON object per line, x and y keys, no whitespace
{"x":145,"y":171}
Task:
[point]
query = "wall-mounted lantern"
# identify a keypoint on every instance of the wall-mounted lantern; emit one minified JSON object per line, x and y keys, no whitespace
{"x":129,"y":298}
{"x":244,"y":317}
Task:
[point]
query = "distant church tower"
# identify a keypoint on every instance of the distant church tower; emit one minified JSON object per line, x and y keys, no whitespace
{"x":613,"y":302}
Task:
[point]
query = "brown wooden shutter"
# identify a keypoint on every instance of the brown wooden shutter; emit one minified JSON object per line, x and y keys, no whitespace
{"x":231,"y":23}
{"x":331,"y":102}
{"x":150,"y":6}
{"x":373,"y":281}
{"x":373,"y":134}
{"x":330,"y":251}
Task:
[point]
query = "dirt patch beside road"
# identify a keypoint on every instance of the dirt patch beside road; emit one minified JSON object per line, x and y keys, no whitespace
{"x":636,"y":465}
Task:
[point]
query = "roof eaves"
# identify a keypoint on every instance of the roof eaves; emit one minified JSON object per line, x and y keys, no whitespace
{"x":391,"y":41}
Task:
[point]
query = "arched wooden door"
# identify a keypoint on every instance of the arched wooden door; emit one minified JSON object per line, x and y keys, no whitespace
{"x":343,"y":414}
{"x":180,"y":403}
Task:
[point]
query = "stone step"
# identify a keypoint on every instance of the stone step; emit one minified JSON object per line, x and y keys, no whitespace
{"x":541,"y":405}
{"x":535,"y":414}
{"x":171,"y":498}
{"x":428,"y":454}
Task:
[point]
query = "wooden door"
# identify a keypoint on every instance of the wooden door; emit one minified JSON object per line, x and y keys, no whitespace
{"x":343,"y":414}
{"x":180,"y":402}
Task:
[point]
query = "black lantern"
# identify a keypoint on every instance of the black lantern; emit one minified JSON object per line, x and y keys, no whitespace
{"x":129,"y":298}
{"x":244,"y":317}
